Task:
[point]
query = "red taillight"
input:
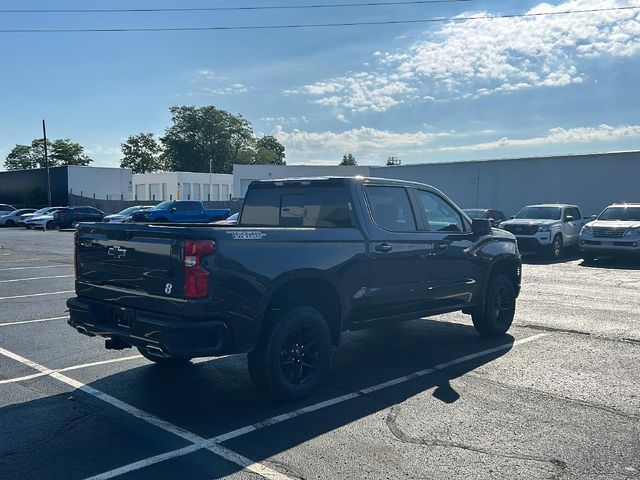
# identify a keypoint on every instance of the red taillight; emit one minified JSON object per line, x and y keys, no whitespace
{"x":196,"y":278}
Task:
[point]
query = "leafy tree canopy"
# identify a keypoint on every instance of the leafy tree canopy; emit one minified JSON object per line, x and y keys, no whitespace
{"x":348,"y":160}
{"x":141,"y":153}
{"x":60,"y":152}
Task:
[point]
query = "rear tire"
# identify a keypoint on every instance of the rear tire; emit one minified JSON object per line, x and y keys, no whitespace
{"x":49,"y":225}
{"x":293,"y":356}
{"x":165,"y":361}
{"x":496,"y":316}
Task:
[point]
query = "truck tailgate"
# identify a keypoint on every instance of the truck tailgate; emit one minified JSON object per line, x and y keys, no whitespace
{"x":132,"y":257}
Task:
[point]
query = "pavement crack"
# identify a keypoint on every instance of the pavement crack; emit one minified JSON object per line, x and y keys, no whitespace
{"x":570,"y":331}
{"x":392,"y":424}
{"x":541,"y":393}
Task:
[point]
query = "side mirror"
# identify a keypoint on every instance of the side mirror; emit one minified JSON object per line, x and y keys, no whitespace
{"x":481,"y":226}
{"x":569,"y":218}
{"x":593,"y":217}
{"x":512,"y":217}
{"x":172,"y":209}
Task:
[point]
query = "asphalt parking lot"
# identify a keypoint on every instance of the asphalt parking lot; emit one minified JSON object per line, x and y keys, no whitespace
{"x":557,"y":398}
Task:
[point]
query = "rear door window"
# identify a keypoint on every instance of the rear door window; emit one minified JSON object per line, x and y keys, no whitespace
{"x":308,"y":206}
{"x":391,"y":209}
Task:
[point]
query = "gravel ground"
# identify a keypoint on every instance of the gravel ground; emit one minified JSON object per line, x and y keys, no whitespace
{"x":557,"y":398}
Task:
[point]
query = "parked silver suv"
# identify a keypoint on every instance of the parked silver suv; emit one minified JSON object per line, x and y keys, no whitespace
{"x":616,"y":231}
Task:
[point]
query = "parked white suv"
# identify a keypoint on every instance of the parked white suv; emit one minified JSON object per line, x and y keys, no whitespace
{"x":549,"y":228}
{"x":616,"y":231}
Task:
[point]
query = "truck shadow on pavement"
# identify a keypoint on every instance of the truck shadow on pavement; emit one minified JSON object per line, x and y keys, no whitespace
{"x":612,"y":263}
{"x":73,"y":435}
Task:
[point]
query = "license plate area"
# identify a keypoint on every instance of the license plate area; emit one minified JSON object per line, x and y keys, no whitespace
{"x":123,"y":317}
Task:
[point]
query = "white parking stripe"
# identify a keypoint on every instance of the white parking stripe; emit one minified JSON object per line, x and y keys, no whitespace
{"x":69,"y":369}
{"x":223,"y":452}
{"x":296,"y":413}
{"x":21,"y":322}
{"x":34,"y":278}
{"x":30,"y":268}
{"x":37,"y":294}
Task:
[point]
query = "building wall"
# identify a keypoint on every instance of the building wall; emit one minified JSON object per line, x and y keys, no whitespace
{"x":28,"y":188}
{"x":101,"y":182}
{"x":181,"y":186}
{"x":243,"y":175}
{"x":590,"y":181}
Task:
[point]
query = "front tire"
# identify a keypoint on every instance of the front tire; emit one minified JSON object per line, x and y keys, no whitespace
{"x":556,"y":249}
{"x":165,"y":361}
{"x":496,"y":316}
{"x":293,"y":356}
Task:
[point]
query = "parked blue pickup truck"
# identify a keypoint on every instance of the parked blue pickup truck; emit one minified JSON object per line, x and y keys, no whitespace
{"x":180,"y":211}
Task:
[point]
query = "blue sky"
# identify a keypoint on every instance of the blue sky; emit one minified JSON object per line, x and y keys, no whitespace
{"x":443,"y":91}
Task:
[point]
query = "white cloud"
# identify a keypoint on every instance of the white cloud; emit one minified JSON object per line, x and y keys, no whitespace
{"x":473,"y":58}
{"x":556,"y":136}
{"x":233,"y":89}
{"x":372,"y":146}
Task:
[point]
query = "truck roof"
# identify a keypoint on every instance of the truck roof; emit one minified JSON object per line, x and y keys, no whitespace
{"x":559,"y":205}
{"x":351,"y":179}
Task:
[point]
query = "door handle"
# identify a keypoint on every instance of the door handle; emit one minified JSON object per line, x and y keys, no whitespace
{"x":384,"y":248}
{"x":442,"y":246}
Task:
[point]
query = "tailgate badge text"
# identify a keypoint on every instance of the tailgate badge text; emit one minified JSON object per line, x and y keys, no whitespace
{"x":247,"y":235}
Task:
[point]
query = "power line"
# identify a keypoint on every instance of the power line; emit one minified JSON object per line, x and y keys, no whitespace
{"x":228,"y":9}
{"x":308,"y":25}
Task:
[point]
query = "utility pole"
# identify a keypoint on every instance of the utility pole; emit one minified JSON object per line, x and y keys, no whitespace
{"x":46,"y":161}
{"x":209,"y":179}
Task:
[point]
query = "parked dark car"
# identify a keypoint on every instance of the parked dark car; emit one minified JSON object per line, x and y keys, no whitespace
{"x":494,"y":216}
{"x":69,"y":217}
{"x":308,"y":260}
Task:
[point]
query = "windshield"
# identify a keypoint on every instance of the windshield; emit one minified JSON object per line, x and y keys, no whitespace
{"x":128,"y":211}
{"x":164,"y":205}
{"x":540,"y":213}
{"x":475,"y":212}
{"x":621,"y":213}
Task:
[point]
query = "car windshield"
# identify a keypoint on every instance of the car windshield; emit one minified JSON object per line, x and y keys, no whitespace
{"x":621,"y":213}
{"x":164,"y":205}
{"x":540,"y":213}
{"x":475,"y":212}
{"x":128,"y":211}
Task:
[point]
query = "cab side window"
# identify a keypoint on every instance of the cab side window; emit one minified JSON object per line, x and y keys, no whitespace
{"x":440,"y":216}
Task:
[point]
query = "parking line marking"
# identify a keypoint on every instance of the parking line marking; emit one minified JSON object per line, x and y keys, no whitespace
{"x":37,"y":294}
{"x":34,"y":278}
{"x":296,"y":413}
{"x":219,"y":450}
{"x":21,"y":322}
{"x":69,"y":369}
{"x":29,"y":268}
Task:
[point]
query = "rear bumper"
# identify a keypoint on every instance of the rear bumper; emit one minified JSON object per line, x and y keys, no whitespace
{"x":179,"y":337}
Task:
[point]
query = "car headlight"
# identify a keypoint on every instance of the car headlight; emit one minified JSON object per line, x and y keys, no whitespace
{"x":586,"y":230}
{"x":632,"y":232}
{"x":544,"y":228}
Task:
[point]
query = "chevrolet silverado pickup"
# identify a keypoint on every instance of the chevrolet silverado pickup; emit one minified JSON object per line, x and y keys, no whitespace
{"x":307,"y":260}
{"x":546,"y":228}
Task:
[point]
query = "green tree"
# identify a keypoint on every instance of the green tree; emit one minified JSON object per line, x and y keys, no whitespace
{"x":269,"y":151}
{"x":200,"y":135}
{"x":23,"y":157}
{"x":348,"y":160}
{"x":141,"y":153}
{"x":66,"y":152}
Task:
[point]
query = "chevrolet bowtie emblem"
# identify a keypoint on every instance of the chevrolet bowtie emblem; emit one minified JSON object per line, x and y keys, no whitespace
{"x":116,"y":252}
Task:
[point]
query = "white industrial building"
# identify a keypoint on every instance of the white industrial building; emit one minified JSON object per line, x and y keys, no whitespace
{"x":591,"y":181}
{"x":100,"y":182}
{"x":182,"y":186}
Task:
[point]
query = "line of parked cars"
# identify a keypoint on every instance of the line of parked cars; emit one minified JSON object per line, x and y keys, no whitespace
{"x":551,"y":228}
{"x":48,"y":218}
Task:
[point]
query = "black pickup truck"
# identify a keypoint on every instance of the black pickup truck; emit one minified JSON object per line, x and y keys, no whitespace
{"x":308,"y":259}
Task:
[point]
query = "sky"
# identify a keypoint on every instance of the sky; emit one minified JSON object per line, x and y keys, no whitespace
{"x":446,"y":90}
